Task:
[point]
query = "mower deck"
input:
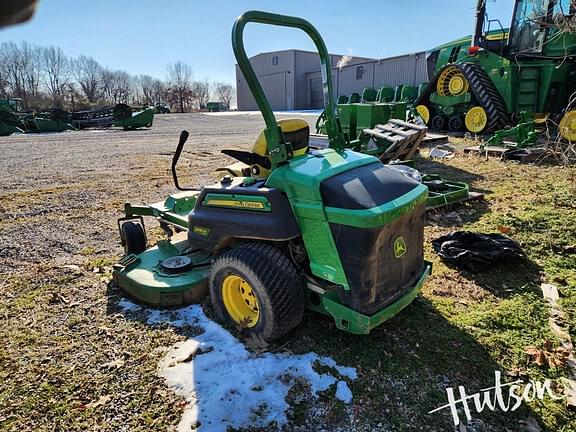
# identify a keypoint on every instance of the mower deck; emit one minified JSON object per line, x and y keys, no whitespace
{"x":145,"y":278}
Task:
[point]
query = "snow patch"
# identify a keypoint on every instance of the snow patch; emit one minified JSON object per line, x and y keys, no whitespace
{"x":128,"y":306}
{"x":227,"y":386}
{"x":343,"y":392}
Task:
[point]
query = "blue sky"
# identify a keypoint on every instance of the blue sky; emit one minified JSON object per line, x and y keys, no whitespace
{"x":143,"y":37}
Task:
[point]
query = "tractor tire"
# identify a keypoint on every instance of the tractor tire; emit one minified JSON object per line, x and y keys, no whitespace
{"x":438,"y":122}
{"x":133,"y":237}
{"x":256,"y":287}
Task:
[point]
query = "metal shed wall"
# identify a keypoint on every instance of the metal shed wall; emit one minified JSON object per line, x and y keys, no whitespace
{"x":406,"y":69}
{"x":275,"y":73}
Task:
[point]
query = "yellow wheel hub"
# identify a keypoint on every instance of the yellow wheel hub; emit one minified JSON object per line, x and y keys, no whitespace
{"x":424,"y":113}
{"x":476,"y":119}
{"x":240,"y":301}
{"x":452,"y":82}
{"x":568,"y":126}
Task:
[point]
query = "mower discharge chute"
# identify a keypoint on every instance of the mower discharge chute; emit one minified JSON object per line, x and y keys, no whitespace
{"x":332,"y":230}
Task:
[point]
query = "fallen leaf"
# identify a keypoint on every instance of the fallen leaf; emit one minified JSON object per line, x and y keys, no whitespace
{"x":539,"y":356}
{"x":95,"y":404}
{"x":114,"y":364}
{"x":531,"y":350}
{"x":540,"y":359}
{"x":504,"y":230}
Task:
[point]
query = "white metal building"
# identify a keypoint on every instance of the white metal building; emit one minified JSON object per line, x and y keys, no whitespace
{"x":291,"y":79}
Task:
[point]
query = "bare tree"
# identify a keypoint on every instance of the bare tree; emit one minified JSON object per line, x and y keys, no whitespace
{"x":56,"y":76}
{"x":224,"y":91}
{"x":158,"y":91}
{"x":180,"y":85}
{"x":3,"y":81}
{"x":20,"y":68}
{"x":121,"y":88}
{"x":88,"y":73}
{"x":152,"y":89}
{"x":201,"y":92}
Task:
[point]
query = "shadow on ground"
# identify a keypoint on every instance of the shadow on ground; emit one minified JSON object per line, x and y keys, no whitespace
{"x":404,"y":368}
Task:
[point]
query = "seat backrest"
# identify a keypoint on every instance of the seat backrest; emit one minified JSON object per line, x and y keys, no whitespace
{"x":398,"y":93}
{"x":369,"y":94}
{"x":342,"y":99}
{"x":354,"y":98}
{"x":295,"y":131}
{"x":409,"y":93}
{"x":422,"y":88}
{"x":385,"y":94}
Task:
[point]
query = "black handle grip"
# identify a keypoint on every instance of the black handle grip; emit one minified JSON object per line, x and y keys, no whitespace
{"x":183,"y":137}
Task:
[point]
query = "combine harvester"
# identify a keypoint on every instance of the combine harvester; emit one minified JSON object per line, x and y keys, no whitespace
{"x":332,"y":230}
{"x":483,"y":83}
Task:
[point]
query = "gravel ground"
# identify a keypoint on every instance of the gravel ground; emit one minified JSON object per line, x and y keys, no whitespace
{"x":70,"y":187}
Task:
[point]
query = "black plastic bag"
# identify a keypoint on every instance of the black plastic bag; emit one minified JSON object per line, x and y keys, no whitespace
{"x":476,"y":251}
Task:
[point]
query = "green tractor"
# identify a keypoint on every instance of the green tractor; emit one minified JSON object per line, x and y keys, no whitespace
{"x":482,"y":83}
{"x":331,"y":230}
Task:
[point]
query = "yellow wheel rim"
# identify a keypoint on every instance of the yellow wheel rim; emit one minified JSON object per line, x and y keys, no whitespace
{"x":424,"y":113}
{"x":568,"y":126}
{"x":452,"y":82}
{"x":476,"y":119}
{"x":240,"y":301}
{"x":457,"y":85}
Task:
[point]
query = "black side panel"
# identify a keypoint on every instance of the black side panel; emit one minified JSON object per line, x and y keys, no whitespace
{"x":375,"y":275}
{"x":211,"y":227}
{"x":365,"y":187}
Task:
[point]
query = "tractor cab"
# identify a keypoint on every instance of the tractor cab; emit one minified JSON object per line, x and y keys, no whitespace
{"x":533,"y":22}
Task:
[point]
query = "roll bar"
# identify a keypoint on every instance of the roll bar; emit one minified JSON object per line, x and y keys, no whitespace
{"x":277,"y":149}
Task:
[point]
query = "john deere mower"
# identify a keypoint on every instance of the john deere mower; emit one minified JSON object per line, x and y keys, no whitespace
{"x":332,"y":230}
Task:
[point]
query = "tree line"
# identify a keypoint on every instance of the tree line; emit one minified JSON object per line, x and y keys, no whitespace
{"x":45,"y":77}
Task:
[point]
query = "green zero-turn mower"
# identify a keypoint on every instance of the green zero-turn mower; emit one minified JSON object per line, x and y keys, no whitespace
{"x":332,"y":230}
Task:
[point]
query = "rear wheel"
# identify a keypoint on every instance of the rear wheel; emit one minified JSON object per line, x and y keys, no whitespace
{"x":452,"y":82}
{"x":255,"y":286}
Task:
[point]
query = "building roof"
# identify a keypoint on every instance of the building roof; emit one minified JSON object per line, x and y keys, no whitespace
{"x":309,"y":52}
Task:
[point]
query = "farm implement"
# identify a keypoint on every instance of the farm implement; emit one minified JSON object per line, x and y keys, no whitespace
{"x":120,"y":115}
{"x":331,"y":230}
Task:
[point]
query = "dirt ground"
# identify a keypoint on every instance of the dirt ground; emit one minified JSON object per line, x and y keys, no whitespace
{"x":69,"y":360}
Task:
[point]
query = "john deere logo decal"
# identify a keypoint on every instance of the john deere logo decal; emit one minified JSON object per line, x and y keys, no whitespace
{"x":201,"y":230}
{"x":399,"y":247}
